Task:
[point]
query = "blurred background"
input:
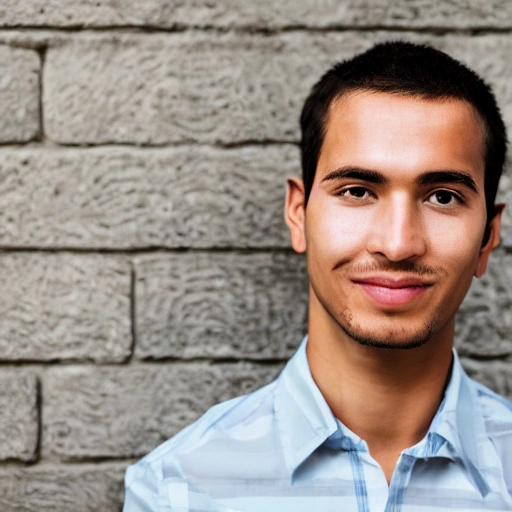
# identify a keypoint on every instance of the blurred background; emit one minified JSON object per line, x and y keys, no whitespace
{"x":145,"y":269}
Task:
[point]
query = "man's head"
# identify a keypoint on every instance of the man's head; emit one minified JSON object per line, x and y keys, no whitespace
{"x":402,"y":152}
{"x":406,"y":69}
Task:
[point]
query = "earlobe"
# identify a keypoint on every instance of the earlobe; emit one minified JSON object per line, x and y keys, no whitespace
{"x":492,"y":242}
{"x":294,"y":213}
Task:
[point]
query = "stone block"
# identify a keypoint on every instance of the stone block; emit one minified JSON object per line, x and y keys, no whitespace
{"x":220,"y":305}
{"x":496,"y":375}
{"x":484,"y":321}
{"x":262,"y":14}
{"x":126,"y":411}
{"x":19,"y":94}
{"x":19,"y":415}
{"x":62,"y":488}
{"x":64,"y":306}
{"x":133,"y":198}
{"x":159,"y":89}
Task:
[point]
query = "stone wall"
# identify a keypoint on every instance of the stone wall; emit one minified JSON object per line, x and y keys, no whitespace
{"x":146,"y":272}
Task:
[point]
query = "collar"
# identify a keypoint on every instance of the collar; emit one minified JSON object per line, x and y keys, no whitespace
{"x":460,"y":423}
{"x":303,"y":417}
{"x":305,"y":421}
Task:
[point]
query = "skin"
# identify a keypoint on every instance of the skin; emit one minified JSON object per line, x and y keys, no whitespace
{"x":393,"y":234}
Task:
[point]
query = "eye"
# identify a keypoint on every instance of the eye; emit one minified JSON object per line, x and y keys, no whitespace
{"x":444,"y":198}
{"x":355,"y":192}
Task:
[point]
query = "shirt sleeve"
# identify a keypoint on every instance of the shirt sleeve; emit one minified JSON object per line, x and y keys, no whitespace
{"x":142,"y":490}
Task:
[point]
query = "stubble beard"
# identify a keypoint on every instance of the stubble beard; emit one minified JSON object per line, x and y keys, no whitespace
{"x":367,"y":340}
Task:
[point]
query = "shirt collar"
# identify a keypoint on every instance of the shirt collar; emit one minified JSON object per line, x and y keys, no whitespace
{"x":305,"y":421}
{"x":461,"y":424}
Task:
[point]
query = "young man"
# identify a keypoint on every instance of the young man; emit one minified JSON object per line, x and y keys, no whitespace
{"x":402,"y":150}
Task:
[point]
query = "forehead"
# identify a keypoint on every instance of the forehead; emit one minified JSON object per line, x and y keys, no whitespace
{"x":393,"y":132}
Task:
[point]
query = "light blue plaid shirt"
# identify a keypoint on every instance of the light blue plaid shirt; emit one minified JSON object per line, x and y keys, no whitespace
{"x":280,"y":449}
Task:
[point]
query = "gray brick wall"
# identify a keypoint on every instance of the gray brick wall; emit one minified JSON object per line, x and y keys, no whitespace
{"x":145,"y":269}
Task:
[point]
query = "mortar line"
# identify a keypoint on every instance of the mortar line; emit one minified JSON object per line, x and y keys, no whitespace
{"x":42,"y":57}
{"x":136,"y":251}
{"x":250,"y":29}
{"x":133,"y":313}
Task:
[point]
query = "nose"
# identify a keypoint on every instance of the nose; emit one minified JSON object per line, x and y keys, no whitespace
{"x":397,"y":232}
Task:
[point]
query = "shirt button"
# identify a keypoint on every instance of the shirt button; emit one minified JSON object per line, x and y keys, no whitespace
{"x":346,"y":444}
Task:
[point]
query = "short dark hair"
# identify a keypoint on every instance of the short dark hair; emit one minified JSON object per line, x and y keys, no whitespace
{"x":405,"y":68}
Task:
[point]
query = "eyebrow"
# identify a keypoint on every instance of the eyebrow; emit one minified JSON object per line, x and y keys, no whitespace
{"x":356,"y":173}
{"x":463,"y":178}
{"x":427,"y":178}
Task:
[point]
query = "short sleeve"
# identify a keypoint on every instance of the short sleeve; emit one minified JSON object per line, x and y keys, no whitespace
{"x":142,"y":490}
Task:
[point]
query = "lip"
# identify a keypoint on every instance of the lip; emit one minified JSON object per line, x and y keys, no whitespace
{"x":392,"y":291}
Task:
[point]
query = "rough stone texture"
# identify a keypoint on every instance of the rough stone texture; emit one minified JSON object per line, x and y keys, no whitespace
{"x":220,"y":305}
{"x":62,"y":488}
{"x":19,"y":416}
{"x":64,"y":306}
{"x":157,"y":89}
{"x":495,"y":374}
{"x":132,"y":198}
{"x":19,"y":94}
{"x":124,"y":412}
{"x":484,"y":321}
{"x":262,"y":14}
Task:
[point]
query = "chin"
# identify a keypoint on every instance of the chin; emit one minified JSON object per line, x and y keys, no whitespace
{"x":393,"y":339}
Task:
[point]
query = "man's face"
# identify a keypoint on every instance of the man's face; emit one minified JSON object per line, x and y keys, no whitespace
{"x":394,"y":223}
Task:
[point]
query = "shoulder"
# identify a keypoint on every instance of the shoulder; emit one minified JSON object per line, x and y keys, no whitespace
{"x":497,"y":416}
{"x":496,"y":409}
{"x":219,"y":421}
{"x":201,"y":447}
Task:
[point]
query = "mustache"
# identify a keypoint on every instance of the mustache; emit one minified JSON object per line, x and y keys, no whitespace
{"x":410,"y":267}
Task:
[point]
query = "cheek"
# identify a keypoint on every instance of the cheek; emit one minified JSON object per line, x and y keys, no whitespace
{"x":337,"y":232}
{"x":456,"y":243}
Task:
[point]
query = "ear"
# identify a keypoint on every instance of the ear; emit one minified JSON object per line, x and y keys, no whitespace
{"x":492,"y":242}
{"x":295,"y":213}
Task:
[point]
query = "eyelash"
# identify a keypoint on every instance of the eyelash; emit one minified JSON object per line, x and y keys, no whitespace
{"x":457,"y":197}
{"x":346,"y":192}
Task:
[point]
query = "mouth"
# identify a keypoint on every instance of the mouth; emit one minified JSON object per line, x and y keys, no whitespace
{"x":392,"y":291}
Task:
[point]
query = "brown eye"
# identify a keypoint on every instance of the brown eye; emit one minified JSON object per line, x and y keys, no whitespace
{"x":356,"y":195}
{"x":357,"y":191}
{"x":444,"y":198}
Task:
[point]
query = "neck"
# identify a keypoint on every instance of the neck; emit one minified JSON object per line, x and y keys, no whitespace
{"x":388,"y":397}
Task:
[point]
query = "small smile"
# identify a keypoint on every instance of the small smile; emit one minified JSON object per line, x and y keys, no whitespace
{"x":392,"y":291}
